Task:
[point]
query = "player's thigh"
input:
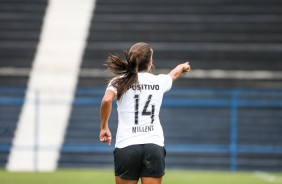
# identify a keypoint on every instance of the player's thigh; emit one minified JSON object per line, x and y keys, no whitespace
{"x":150,"y":180}
{"x":125,"y":181}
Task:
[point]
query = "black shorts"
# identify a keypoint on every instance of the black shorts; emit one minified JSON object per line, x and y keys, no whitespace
{"x":142,"y":160}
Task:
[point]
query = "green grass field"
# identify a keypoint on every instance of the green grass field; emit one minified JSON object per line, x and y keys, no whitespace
{"x":95,"y":176}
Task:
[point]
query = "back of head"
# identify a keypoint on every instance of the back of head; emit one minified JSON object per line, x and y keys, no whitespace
{"x":137,"y":59}
{"x":140,"y":53}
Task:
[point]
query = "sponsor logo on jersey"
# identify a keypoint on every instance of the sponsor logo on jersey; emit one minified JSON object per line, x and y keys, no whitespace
{"x":144,"y":87}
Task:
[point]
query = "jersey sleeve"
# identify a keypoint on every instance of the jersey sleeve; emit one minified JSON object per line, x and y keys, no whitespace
{"x":111,"y":87}
{"x":166,"y":82}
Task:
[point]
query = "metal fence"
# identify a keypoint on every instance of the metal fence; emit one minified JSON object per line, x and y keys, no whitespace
{"x":233,"y":99}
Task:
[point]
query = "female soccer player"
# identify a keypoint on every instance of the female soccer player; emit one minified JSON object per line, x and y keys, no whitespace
{"x":139,"y":149}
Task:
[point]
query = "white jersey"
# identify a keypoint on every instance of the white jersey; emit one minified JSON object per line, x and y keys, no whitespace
{"x":138,"y":111}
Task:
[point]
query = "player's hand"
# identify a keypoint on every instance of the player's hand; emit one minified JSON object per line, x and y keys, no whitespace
{"x":106,"y":136}
{"x":186,"y":67}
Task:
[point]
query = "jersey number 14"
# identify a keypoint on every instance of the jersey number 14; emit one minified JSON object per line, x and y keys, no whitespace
{"x":145,"y":111}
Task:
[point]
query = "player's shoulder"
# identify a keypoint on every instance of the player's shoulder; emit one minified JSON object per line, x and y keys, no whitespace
{"x":164,"y":77}
{"x":155,"y":76}
{"x":160,"y":78}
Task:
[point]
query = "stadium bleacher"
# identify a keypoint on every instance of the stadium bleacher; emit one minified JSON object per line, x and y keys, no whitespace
{"x":227,"y":35}
{"x":224,"y":35}
{"x":20,"y":27}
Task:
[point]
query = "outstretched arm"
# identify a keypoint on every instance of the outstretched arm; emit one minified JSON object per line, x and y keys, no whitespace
{"x":105,"y":111}
{"x":178,"y":70}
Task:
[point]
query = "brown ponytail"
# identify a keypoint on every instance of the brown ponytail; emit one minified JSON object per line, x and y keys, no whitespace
{"x":137,"y":60}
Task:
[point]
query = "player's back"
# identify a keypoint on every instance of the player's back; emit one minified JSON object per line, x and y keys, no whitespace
{"x":139,"y":107}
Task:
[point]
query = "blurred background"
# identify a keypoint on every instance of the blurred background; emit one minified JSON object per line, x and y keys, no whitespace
{"x":226,"y":114}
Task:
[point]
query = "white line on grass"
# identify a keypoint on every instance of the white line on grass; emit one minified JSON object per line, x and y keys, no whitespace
{"x":267,"y":177}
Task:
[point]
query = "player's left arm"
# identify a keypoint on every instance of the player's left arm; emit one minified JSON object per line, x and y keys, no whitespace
{"x":105,"y":111}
